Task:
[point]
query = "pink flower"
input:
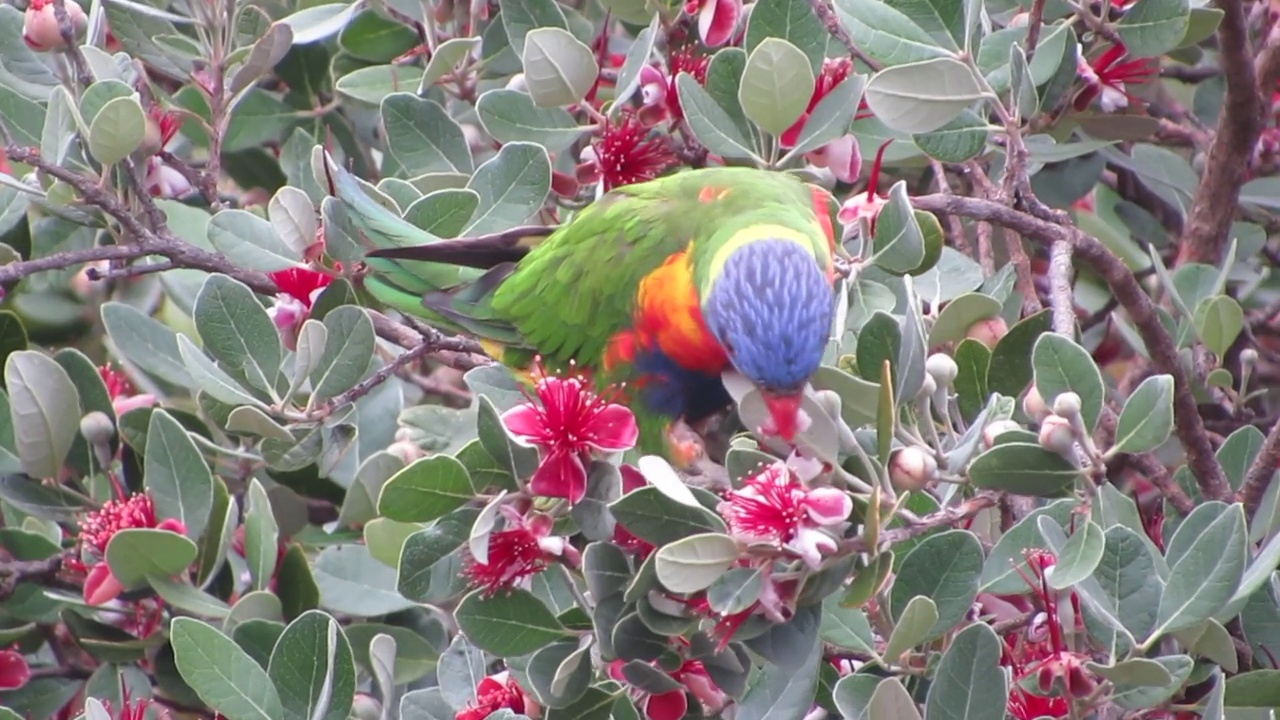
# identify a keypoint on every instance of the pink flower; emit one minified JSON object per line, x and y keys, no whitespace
{"x":632,"y":480}
{"x":164,"y":181}
{"x":774,"y":506}
{"x":674,"y":704}
{"x":774,"y":604}
{"x":499,"y":692}
{"x":869,"y":205}
{"x":1105,"y":79}
{"x":124,"y":397}
{"x":299,"y":288}
{"x":14,"y":671}
{"x":567,"y":424}
{"x":624,"y":156}
{"x":834,"y":71}
{"x":40,"y":29}
{"x":717,"y":19}
{"x":659,"y":97}
{"x":133,"y":709}
{"x":518,"y":552}
{"x":97,"y":529}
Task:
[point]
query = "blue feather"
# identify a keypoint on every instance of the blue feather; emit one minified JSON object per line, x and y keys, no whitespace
{"x":772,"y":308}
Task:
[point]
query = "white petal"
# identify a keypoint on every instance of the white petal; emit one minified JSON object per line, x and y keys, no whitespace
{"x":661,"y":475}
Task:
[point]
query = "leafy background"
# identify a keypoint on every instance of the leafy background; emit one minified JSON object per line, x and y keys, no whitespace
{"x":1057,"y":337}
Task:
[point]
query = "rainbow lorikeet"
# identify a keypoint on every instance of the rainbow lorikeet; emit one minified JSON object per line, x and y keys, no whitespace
{"x":664,"y":285}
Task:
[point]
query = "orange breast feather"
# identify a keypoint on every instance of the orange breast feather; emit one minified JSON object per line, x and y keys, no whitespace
{"x":669,"y":315}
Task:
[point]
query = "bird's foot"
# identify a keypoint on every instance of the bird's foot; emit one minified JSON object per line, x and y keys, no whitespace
{"x":686,"y":446}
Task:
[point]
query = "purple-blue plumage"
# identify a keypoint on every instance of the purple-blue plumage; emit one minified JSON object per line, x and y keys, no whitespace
{"x":772,"y":309}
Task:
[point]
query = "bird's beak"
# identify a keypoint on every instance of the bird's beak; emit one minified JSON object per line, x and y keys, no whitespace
{"x":784,"y":410}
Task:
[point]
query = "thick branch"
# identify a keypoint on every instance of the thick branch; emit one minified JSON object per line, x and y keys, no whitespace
{"x":1188,"y":424}
{"x":1061,"y":297}
{"x":1261,"y":473}
{"x":13,"y":572}
{"x":1239,"y":125}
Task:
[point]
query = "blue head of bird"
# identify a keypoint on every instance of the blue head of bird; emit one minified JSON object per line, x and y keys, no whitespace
{"x":771,"y":307}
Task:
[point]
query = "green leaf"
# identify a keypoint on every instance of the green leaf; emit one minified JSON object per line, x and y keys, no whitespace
{"x":711,"y":124}
{"x":1147,"y":418}
{"x":261,"y":536}
{"x":831,"y":116}
{"x":431,"y":558}
{"x":237,"y":331}
{"x":845,"y":627}
{"x":352,"y":582}
{"x":461,"y":669}
{"x":693,"y":563}
{"x":188,"y":598}
{"x":135,"y":553}
{"x":637,"y":58}
{"x":371,"y":85}
{"x":1218,"y":321}
{"x":117,"y":130}
{"x":446,"y":58}
{"x":1134,"y":672}
{"x":211,"y":379}
{"x":959,"y":315}
{"x":776,"y":85}
{"x":886,"y":34}
{"x":963,"y":138}
{"x":49,"y":502}
{"x":945,"y":567}
{"x":223,"y":675}
{"x":1023,"y":469}
{"x":558,"y":68}
{"x":250,"y":242}
{"x":785,"y":688}
{"x":177,"y":475}
{"x":427,"y":489}
{"x":924,"y":96}
{"x":423,"y":137}
{"x":734,"y":591}
{"x":1207,"y":573}
{"x":1010,"y":369}
{"x":966,"y":685}
{"x":520,"y":16}
{"x":512,"y":186}
{"x":1255,"y":689}
{"x":1062,"y":366}
{"x":44,"y":409}
{"x":913,"y":626}
{"x":655,"y":518}
{"x":790,"y":20}
{"x":899,"y":240}
{"x":375,"y":38}
{"x":559,"y":674}
{"x":1080,"y":557}
{"x":313,"y":669}
{"x":145,"y":342}
{"x":348,"y":348}
{"x":97,"y":95}
{"x":1151,"y":28}
{"x":510,"y":624}
{"x":509,"y":115}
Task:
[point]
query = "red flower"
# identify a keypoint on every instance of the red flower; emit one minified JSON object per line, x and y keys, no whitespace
{"x":1105,"y":79}
{"x":567,"y":424}
{"x":97,"y":529}
{"x":498,"y":692}
{"x":674,"y":704}
{"x":124,"y":396}
{"x":870,"y":204}
{"x":515,"y":553}
{"x":774,"y":506}
{"x":834,"y":71}
{"x":717,"y":19}
{"x":623,"y":155}
{"x":14,"y":671}
{"x":773,"y":603}
{"x":632,"y":480}
{"x":659,"y":96}
{"x":299,"y":287}
{"x":135,"y":709}
{"x":167,"y":123}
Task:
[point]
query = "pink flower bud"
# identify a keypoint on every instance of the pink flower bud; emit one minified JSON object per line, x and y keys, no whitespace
{"x":911,"y":468}
{"x":1056,"y":434}
{"x":100,"y":586}
{"x":1034,"y":406}
{"x":989,"y":331}
{"x":40,"y":28}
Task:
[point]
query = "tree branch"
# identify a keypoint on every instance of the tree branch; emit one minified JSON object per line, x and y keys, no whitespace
{"x":13,"y":572}
{"x":1188,"y":424}
{"x":1205,"y":234}
{"x":1061,"y":297}
{"x":1261,"y":473}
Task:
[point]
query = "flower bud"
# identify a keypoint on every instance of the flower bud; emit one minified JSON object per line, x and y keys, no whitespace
{"x":1034,"y":405}
{"x":518,"y":83}
{"x":366,"y":707}
{"x":989,"y":331}
{"x":1248,"y":358}
{"x":995,"y":430}
{"x":97,"y":428}
{"x":1067,"y":405}
{"x":1056,"y":434}
{"x":928,"y":387}
{"x":40,"y":25}
{"x":408,"y":452}
{"x":911,"y":468}
{"x":942,"y":369}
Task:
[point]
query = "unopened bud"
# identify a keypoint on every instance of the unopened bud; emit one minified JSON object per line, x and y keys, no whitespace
{"x":366,"y":707}
{"x":406,"y":451}
{"x":1056,"y":434}
{"x":942,"y":369}
{"x":1067,"y":405}
{"x":40,"y":28}
{"x":928,"y":387}
{"x":1248,"y":358}
{"x":517,"y":83}
{"x":995,"y":430}
{"x":97,"y":428}
{"x":1034,"y":405}
{"x":989,"y":331}
{"x":911,"y":468}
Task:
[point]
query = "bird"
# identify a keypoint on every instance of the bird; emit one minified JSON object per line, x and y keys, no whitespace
{"x":659,"y":287}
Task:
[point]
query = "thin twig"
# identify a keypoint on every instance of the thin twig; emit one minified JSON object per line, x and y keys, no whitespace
{"x":13,"y":572}
{"x":1188,"y":424}
{"x":1061,"y":297}
{"x":364,"y":387}
{"x":933,"y":521}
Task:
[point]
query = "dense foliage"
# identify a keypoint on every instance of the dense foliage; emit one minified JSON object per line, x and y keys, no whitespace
{"x":1038,"y":476}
